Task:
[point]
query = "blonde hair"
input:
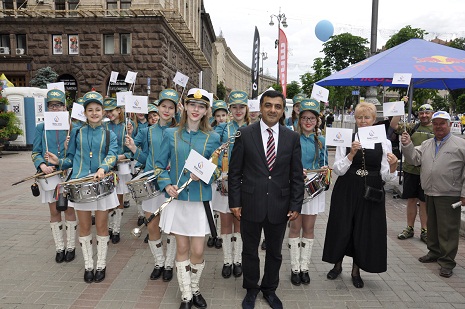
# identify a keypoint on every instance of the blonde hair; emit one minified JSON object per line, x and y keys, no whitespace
{"x":365,"y":108}
{"x":204,"y":124}
{"x":247,"y":114}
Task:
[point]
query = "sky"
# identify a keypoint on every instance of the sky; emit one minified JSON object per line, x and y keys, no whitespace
{"x":236,"y":21}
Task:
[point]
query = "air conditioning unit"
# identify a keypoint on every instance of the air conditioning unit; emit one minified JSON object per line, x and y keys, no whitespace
{"x":19,"y":51}
{"x":4,"y":50}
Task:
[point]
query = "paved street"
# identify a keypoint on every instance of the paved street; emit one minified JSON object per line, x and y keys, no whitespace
{"x":30,"y":278}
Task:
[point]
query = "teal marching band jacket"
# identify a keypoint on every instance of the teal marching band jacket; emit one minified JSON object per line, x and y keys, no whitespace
{"x":120,"y":131}
{"x":228,"y":131}
{"x":148,"y":143}
{"x":309,"y":147}
{"x":174,"y":151}
{"x":55,"y":143}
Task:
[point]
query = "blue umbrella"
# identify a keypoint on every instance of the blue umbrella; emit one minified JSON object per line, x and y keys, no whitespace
{"x":432,"y":65}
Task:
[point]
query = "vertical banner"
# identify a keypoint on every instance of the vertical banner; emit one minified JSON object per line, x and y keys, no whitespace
{"x":255,"y":63}
{"x":282,"y":60}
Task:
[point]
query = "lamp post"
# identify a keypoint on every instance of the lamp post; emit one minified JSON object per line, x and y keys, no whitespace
{"x":281,"y":17}
{"x":264,"y":57}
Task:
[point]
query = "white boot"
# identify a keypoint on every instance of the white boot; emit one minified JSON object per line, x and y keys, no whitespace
{"x":117,"y":220}
{"x":70,"y":240}
{"x":183,"y":272}
{"x":294,"y":253}
{"x":237,"y":254}
{"x":156,"y":246}
{"x":196,"y":273}
{"x":87,"y":253}
{"x":111,"y":216}
{"x":227,"y":255}
{"x":140,"y":211}
{"x":170,"y":255}
{"x":305,"y":256}
{"x":59,"y":243}
{"x":102,"y":249}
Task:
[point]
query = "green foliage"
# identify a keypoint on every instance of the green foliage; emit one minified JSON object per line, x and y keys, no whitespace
{"x":11,"y":128}
{"x":292,"y":89}
{"x":404,"y":35}
{"x":343,"y":50}
{"x":460,"y":104}
{"x":43,"y":77}
{"x":277,"y":87}
{"x":221,"y":91}
{"x":458,"y":43}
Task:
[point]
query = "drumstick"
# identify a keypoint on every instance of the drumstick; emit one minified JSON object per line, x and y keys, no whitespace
{"x":28,"y":178}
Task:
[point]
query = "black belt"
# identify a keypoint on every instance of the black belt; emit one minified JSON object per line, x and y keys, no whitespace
{"x":361,"y":172}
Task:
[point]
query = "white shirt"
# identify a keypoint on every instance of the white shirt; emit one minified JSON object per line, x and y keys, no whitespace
{"x":265,"y":135}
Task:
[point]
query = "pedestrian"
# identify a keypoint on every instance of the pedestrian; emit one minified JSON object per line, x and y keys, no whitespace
{"x":330,"y":120}
{"x":266,"y":189}
{"x":54,"y":141}
{"x":92,"y":151}
{"x":314,"y":156}
{"x":442,"y":161}
{"x":462,"y":124}
{"x":357,"y":218}
{"x":186,"y":216}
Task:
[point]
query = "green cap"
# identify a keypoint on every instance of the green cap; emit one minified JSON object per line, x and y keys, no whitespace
{"x":238,"y":97}
{"x":310,"y":105}
{"x":219,"y":104}
{"x":80,"y":101}
{"x":56,"y":95}
{"x":169,"y":94}
{"x":92,"y":97}
{"x":153,"y":108}
{"x":298,"y":98}
{"x":109,"y":104}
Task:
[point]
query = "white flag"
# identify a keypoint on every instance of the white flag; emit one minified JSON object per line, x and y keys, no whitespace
{"x":338,"y":137}
{"x":180,"y":79}
{"x":57,"y":86}
{"x":137,"y":104}
{"x":131,"y":77}
{"x":121,"y":97}
{"x":56,"y":121}
{"x":78,"y":112}
{"x":393,"y":109}
{"x":401,"y":78}
{"x":254,"y":106}
{"x":199,"y":166}
{"x":319,"y":93}
{"x":113,"y":77}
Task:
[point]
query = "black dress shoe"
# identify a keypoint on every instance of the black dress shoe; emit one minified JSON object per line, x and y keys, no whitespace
{"x":186,"y":304}
{"x":156,"y":273}
{"x":304,"y":277}
{"x":70,"y":255}
{"x":295,"y":278}
{"x":99,"y":275}
{"x":110,"y":233}
{"x":218,"y":243}
{"x":227,"y":270}
{"x":249,"y":299}
{"x":333,"y":273}
{"x":115,"y":239}
{"x":210,"y":242}
{"x":146,"y":239}
{"x":237,"y":269}
{"x":167,"y":274}
{"x":198,"y":301}
{"x":126,"y":204}
{"x":263,"y":246}
{"x":273,"y":300}
{"x":89,"y":275}
{"x":60,"y":257}
{"x":357,"y":282}
{"x":140,"y":221}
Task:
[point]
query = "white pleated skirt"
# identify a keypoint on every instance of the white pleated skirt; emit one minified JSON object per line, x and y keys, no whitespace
{"x":47,"y":196}
{"x":315,"y":205}
{"x":219,"y":202}
{"x":122,"y":187}
{"x":185,"y":218}
{"x":108,"y":202}
{"x":151,"y":205}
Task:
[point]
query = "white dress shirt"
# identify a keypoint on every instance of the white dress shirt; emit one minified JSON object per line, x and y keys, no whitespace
{"x":265,"y":135}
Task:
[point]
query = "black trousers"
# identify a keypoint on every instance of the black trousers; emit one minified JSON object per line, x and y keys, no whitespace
{"x":274,"y":235}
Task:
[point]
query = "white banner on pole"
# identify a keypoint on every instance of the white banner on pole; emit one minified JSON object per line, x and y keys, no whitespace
{"x":180,"y":79}
{"x":393,"y":109}
{"x":319,"y":93}
{"x":131,"y":77}
{"x":137,"y":104}
{"x":113,"y":77}
{"x":200,"y":166}
{"x":78,"y":112}
{"x":401,"y":78}
{"x":338,"y":137}
{"x":121,"y":97}
{"x":56,"y":121}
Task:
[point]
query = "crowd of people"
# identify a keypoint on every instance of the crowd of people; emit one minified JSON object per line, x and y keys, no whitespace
{"x":266,"y":167}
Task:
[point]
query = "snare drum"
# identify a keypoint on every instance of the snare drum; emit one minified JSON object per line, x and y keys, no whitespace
{"x":50,"y":181}
{"x":86,"y":190}
{"x":124,"y":167}
{"x":144,"y":187}
{"x":314,"y":185}
{"x":222,"y":184}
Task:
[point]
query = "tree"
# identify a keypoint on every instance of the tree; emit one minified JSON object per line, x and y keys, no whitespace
{"x":458,"y":43}
{"x":43,"y":77}
{"x":292,"y":89}
{"x":308,"y":79}
{"x":343,"y":50}
{"x":460,"y":104}
{"x":404,"y":35}
{"x":221,"y":91}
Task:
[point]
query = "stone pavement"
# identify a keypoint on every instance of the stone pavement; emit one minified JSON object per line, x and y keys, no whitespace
{"x":30,"y":278}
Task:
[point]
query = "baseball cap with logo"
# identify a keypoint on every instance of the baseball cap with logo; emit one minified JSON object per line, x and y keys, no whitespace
{"x":426,"y":108}
{"x":92,"y":96}
{"x":441,"y":115}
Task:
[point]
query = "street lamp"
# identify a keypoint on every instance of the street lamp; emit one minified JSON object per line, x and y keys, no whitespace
{"x":281,"y":17}
{"x":264,"y":57}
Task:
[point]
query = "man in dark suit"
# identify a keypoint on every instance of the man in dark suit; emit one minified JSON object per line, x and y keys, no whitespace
{"x":266,"y":189}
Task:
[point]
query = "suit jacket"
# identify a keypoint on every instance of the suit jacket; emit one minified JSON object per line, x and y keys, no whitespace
{"x":253,"y":187}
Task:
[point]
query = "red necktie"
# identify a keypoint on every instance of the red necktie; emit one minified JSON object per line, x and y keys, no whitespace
{"x":270,"y":150}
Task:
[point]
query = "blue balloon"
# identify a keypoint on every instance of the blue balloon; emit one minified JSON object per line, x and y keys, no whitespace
{"x":324,"y":30}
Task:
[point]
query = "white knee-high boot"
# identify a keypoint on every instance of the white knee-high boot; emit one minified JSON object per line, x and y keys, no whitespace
{"x":170,"y":251}
{"x":70,"y":235}
{"x":111,"y":220}
{"x":102,"y":249}
{"x":140,"y":211}
{"x":237,"y":244}
{"x":87,"y":253}
{"x":306,"y":253}
{"x":58,"y":236}
{"x":196,"y":273}
{"x":156,"y":246}
{"x":117,"y":223}
{"x":294,"y":252}
{"x":227,"y":249}
{"x":183,"y":272}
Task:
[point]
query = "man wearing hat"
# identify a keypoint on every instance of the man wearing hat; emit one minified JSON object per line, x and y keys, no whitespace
{"x":442,"y":161}
{"x":412,"y":189}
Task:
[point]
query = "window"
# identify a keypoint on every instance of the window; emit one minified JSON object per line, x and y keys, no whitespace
{"x":60,"y":5}
{"x":21,"y":42}
{"x":73,"y":4}
{"x":125,"y":43}
{"x":109,"y":44}
{"x":57,"y":44}
{"x":73,"y":44}
{"x":21,"y":4}
{"x":125,"y":4}
{"x":5,"y":40}
{"x":8,"y":4}
{"x":112,"y":5}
